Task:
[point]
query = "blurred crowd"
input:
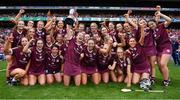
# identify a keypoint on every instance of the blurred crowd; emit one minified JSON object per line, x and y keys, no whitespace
{"x":95,"y":14}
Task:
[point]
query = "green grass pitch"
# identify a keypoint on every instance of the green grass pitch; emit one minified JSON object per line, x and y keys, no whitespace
{"x":90,"y":91}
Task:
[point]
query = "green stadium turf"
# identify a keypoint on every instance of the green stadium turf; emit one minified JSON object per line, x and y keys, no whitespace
{"x":90,"y":91}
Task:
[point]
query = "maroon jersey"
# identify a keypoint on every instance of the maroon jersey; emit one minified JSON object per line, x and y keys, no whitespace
{"x":72,"y":59}
{"x":162,"y":38}
{"x":60,"y":31}
{"x":149,"y":39}
{"x":103,"y":62}
{"x":17,"y":37}
{"x":122,"y":63}
{"x":129,"y":35}
{"x":138,"y":58}
{"x":37,"y":61}
{"x":73,"y":52}
{"x":149,"y":43}
{"x":53,"y":63}
{"x":40,"y":34}
{"x":21,"y":60}
{"x":90,"y":58}
{"x":63,"y":49}
{"x":48,"y":46}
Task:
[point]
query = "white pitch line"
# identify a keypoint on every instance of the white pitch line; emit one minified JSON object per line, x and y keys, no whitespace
{"x":2,"y":70}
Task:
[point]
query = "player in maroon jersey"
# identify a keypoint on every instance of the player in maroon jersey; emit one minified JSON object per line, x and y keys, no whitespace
{"x":119,"y":28}
{"x":89,"y":61}
{"x":53,"y":65}
{"x":20,"y":64}
{"x":37,"y":65}
{"x":18,"y":33}
{"x":163,"y":44}
{"x":49,"y":41}
{"x":72,"y":68}
{"x":93,"y":29}
{"x":30,"y":24}
{"x":40,"y":31}
{"x":86,"y":38}
{"x":149,"y":48}
{"x":31,"y":35}
{"x":122,"y":64}
{"x":104,"y":60}
{"x":140,"y":64}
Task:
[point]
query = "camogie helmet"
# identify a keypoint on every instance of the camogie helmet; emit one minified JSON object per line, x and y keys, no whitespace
{"x":145,"y":84}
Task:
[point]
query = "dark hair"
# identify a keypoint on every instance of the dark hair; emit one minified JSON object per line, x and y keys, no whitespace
{"x":152,"y":20}
{"x":19,"y":42}
{"x":145,"y":19}
{"x":54,"y":45}
{"x":39,"y":40}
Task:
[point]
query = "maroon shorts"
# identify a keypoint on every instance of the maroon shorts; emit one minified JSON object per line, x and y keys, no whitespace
{"x":164,"y":49}
{"x":89,"y":69}
{"x":141,"y":68}
{"x":103,"y":69}
{"x":71,"y":69}
{"x":37,"y":72}
{"x":150,"y":51}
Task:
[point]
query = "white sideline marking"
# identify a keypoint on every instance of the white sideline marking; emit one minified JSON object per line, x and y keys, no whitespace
{"x":2,"y":70}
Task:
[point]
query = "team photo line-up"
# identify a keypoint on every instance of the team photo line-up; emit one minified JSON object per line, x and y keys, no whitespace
{"x":67,"y":50}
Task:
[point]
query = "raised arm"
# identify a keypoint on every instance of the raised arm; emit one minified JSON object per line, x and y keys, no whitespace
{"x":129,"y":20}
{"x":168,"y":20}
{"x":26,"y":48}
{"x":7,"y":45}
{"x":141,"y":40}
{"x":123,"y":42}
{"x":69,"y":35}
{"x":49,"y":23}
{"x":15,"y":20}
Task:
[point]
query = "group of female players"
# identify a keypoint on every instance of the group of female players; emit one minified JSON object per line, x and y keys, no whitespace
{"x":61,"y":52}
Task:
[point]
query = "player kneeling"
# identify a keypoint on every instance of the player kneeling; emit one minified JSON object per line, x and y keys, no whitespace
{"x":140,"y":64}
{"x":19,"y":67}
{"x":53,"y":65}
{"x":123,"y":67}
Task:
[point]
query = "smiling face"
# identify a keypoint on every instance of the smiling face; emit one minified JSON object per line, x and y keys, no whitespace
{"x":127,"y":27}
{"x":119,"y":27}
{"x":59,"y":38}
{"x":152,"y":25}
{"x":48,"y":38}
{"x":80,"y":37}
{"x":111,"y":26}
{"x":132,"y":42}
{"x":81,"y":27}
{"x":104,"y":31}
{"x":86,"y":37}
{"x":120,"y":52}
{"x":55,"y":50}
{"x":40,"y":25}
{"x":24,"y":41}
{"x":93,"y":27}
{"x":60,"y":24}
{"x":143,"y":22}
{"x":91,"y":44}
{"x":39,"y":44}
{"x":20,"y":25}
{"x":31,"y":33}
{"x":30,"y":24}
